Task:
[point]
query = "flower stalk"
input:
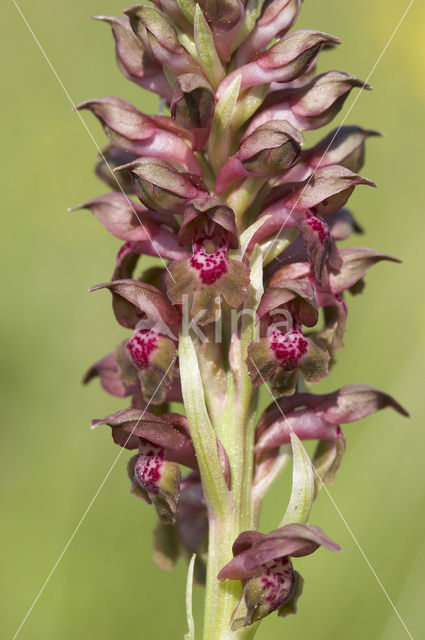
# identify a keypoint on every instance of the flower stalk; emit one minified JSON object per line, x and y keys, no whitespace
{"x":246,"y":290}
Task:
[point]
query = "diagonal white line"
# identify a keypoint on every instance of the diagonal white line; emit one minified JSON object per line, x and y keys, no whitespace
{"x":83,"y":517}
{"x":130,"y":202}
{"x":397,"y":27}
{"x":338,"y":510}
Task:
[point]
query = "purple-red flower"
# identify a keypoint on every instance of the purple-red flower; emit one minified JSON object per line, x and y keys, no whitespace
{"x":262,"y":562}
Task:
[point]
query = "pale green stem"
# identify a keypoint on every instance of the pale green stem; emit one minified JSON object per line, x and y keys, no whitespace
{"x":222,"y":597}
{"x":241,"y":199}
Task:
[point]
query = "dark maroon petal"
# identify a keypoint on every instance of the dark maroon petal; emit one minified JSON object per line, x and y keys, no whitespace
{"x":192,"y":517}
{"x":110,"y":159}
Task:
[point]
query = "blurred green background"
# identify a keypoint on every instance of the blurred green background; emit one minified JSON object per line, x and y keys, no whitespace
{"x":106,"y":586}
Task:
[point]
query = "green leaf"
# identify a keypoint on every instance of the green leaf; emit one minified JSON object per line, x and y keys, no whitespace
{"x":278,"y":243}
{"x":204,"y":440}
{"x":220,"y":135}
{"x":187,"y":7}
{"x":251,"y":101}
{"x":207,"y":55}
{"x":245,"y":238}
{"x":190,"y":635}
{"x":302,"y":494}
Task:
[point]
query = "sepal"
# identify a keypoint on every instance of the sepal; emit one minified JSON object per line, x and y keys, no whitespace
{"x":133,"y":132}
{"x":133,"y":301}
{"x":192,"y":106}
{"x":276,"y":19}
{"x":168,"y":432}
{"x":344,"y":146}
{"x":312,"y":105}
{"x":270,"y":150}
{"x":317,"y":417}
{"x":299,"y":293}
{"x":356,"y":261}
{"x":160,"y":39}
{"x":208,"y":217}
{"x":285,"y":61}
{"x":108,"y":372}
{"x":161,"y":187}
{"x":132,"y":60}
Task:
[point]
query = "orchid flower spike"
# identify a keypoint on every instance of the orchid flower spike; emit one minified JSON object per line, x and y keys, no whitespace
{"x":230,"y":281}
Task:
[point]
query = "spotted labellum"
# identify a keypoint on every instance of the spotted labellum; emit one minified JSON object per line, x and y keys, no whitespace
{"x":230,"y":282}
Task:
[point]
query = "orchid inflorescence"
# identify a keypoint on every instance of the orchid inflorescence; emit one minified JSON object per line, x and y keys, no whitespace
{"x":248,"y":289}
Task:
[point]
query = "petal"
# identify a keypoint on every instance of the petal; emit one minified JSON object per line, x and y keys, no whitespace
{"x":285,"y":290}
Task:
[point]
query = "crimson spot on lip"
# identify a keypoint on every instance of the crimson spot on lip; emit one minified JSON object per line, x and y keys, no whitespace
{"x":288,"y":348}
{"x":147,"y":468}
{"x":318,"y":227}
{"x":277,"y":579}
{"x":141,"y":345}
{"x":210,"y":266}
